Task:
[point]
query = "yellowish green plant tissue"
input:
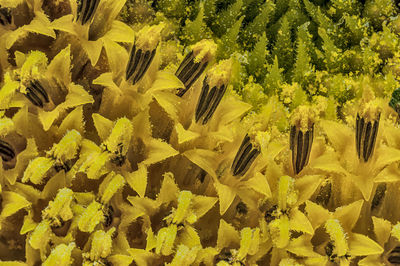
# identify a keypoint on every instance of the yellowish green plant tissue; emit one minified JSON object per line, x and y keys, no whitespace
{"x":209,"y":132}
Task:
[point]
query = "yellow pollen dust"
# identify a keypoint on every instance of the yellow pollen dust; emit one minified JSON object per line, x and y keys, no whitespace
{"x":369,"y":108}
{"x":220,"y":74}
{"x":149,"y":37}
{"x":204,"y":50}
{"x":303,"y":118}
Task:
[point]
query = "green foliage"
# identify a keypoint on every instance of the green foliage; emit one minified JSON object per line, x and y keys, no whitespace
{"x":257,"y":59}
{"x":274,"y":78}
{"x":226,"y":19}
{"x":258,"y":26}
{"x":228,"y":43}
{"x":302,"y":67}
{"x":283,"y":47}
{"x":195,"y":30}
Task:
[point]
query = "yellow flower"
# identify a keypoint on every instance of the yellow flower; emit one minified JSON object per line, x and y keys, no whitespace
{"x":343,"y":245}
{"x":354,"y":162}
{"x":95,"y":28}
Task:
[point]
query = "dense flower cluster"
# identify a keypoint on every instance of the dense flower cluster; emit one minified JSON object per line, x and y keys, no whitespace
{"x":189,"y":138}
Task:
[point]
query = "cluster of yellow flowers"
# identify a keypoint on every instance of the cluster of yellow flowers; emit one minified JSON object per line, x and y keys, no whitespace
{"x":115,"y":153}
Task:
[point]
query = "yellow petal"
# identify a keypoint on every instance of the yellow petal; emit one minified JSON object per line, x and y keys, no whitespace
{"x":202,"y":204}
{"x":106,"y":80}
{"x":349,"y":214}
{"x":92,"y":49}
{"x":361,"y":245}
{"x":103,"y":126}
{"x":168,"y":102}
{"x":28,"y":225}
{"x":74,"y":120}
{"x":227,"y":235}
{"x":205,"y":159}
{"x":260,"y":184}
{"x":364,"y":183}
{"x":328,"y":163}
{"x":60,"y":67}
{"x":339,"y":135}
{"x":158,"y":151}
{"x":382,"y":229}
{"x":40,"y":24}
{"x":317,"y":215}
{"x":372,"y":260}
{"x":388,"y":174}
{"x":231,"y":109}
{"x":47,"y":118}
{"x":189,"y":237}
{"x":120,"y":32}
{"x":77,"y":96}
{"x":138,"y":180}
{"x":165,"y":81}
{"x":307,"y":186}
{"x":386,"y":156}
{"x":302,"y":247}
{"x":65,"y":23}
{"x":299,"y":222}
{"x":169,"y":190}
{"x":226,"y":196}
{"x":185,"y":135}
{"x":12,"y":202}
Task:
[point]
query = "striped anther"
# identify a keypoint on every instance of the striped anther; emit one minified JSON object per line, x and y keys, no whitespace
{"x":300,"y":145}
{"x":36,"y":94}
{"x":208,"y":101}
{"x":86,"y":10}
{"x":139,"y":62}
{"x":366,"y":133}
{"x":189,"y":71}
{"x":6,"y":151}
{"x":394,"y":256}
{"x":244,"y":157}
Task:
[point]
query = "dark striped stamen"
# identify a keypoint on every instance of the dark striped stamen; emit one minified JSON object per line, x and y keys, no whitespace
{"x":5,"y":16}
{"x":208,"y":101}
{"x":6,"y":151}
{"x":139,"y":62}
{"x":394,"y":256}
{"x":366,"y":137}
{"x":86,"y":10}
{"x":300,"y":145}
{"x":188,"y":72}
{"x":36,"y":94}
{"x":379,"y":196}
{"x":244,"y":157}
